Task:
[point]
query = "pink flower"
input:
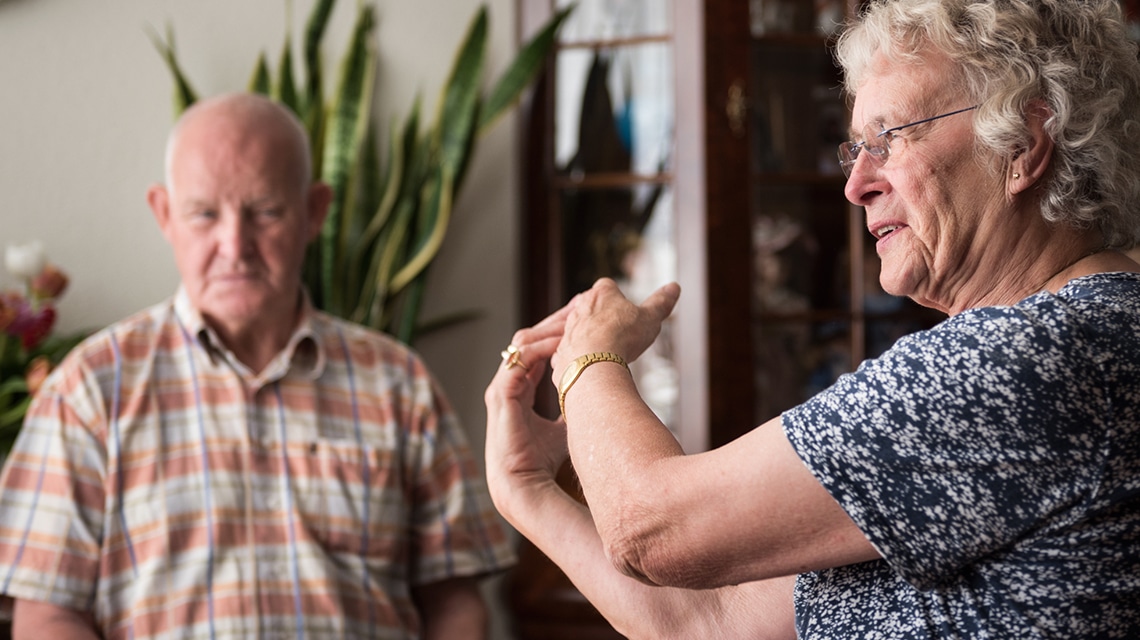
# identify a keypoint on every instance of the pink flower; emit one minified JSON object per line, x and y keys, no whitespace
{"x":49,"y":283}
{"x":31,"y":325}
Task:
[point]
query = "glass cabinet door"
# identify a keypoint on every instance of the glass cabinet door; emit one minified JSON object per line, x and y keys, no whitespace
{"x":610,"y":196}
{"x":817,"y":306}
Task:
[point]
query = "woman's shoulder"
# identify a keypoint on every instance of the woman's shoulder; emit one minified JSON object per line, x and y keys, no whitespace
{"x":1102,"y":307}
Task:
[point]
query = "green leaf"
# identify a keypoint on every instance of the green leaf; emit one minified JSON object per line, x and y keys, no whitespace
{"x":285,"y":89}
{"x":346,"y":132}
{"x":455,"y":117}
{"x":369,"y":192}
{"x":521,"y":72}
{"x":13,"y":387}
{"x":259,"y":81}
{"x":451,"y":140}
{"x":314,"y":33}
{"x":13,"y":418}
{"x":438,"y":192}
{"x":402,"y":150}
{"x":184,"y":94}
{"x":392,"y":249}
{"x":405,"y":330}
{"x":312,"y":103}
{"x":382,"y":241}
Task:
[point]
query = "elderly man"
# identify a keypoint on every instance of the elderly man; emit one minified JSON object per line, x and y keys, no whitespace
{"x":232,"y":463}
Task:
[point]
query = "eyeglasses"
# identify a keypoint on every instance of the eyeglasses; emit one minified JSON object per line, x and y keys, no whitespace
{"x":878,"y":145}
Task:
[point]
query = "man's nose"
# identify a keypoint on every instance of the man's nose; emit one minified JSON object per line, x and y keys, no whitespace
{"x":235,"y":235}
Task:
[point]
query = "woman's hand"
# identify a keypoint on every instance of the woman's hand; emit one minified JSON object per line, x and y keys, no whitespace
{"x":524,"y":450}
{"x":602,"y":319}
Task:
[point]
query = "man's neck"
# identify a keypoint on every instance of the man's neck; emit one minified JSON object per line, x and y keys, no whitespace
{"x":257,"y":343}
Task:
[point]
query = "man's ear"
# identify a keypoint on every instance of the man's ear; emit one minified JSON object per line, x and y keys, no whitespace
{"x":320,"y":197}
{"x":1030,"y":164}
{"x":159,"y":200}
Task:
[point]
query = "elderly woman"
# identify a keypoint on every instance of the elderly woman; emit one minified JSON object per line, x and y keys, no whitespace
{"x":980,"y":479}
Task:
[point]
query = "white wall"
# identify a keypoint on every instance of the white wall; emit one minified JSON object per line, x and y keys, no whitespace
{"x":85,"y":104}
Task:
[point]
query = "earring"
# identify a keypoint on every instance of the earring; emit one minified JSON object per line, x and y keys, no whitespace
{"x":1016,"y":176}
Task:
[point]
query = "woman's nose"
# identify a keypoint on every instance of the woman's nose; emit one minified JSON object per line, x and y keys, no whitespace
{"x":864,"y":182}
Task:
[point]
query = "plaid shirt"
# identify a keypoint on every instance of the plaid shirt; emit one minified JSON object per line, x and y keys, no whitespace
{"x":162,"y":485}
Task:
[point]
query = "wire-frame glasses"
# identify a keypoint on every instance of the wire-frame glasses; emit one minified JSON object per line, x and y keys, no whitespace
{"x":878,"y":145}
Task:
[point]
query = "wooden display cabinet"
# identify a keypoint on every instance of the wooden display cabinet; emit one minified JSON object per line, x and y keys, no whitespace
{"x":696,"y":141}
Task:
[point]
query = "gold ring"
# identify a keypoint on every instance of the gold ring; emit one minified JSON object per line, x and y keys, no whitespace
{"x":512,"y":356}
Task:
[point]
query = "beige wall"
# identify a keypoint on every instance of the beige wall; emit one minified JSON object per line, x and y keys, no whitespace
{"x":85,"y":106}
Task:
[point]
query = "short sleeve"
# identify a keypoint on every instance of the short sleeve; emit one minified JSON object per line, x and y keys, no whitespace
{"x":960,"y":440}
{"x":52,"y":497}
{"x":457,"y":531}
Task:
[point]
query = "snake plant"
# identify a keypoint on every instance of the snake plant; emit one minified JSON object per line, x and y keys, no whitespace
{"x":390,"y":210}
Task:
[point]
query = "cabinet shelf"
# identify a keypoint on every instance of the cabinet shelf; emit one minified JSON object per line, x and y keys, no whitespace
{"x":811,"y":316}
{"x":608,"y":180}
{"x":804,"y":178}
{"x":810,"y":41}
{"x":613,"y":43}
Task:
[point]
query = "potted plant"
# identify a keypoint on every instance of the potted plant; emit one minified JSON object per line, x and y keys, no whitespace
{"x":390,"y":210}
{"x":28,"y":348}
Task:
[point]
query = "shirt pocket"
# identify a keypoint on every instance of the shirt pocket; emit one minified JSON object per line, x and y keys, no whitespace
{"x":350,"y":500}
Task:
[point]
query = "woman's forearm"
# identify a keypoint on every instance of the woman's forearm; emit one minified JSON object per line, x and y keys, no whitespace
{"x":562,"y":528}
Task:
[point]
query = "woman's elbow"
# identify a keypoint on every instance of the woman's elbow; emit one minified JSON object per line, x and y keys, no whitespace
{"x":654,"y":558}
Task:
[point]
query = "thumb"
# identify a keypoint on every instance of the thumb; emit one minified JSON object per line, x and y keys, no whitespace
{"x":660,"y":303}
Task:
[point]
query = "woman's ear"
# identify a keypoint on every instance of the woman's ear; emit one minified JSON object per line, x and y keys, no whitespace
{"x":1031,"y":163}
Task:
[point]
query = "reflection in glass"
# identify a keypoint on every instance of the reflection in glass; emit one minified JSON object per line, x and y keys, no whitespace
{"x":799,"y":116}
{"x":798,"y":248}
{"x":615,"y":19}
{"x":613,"y":137}
{"x":621,"y":97}
{"x":888,"y":317}
{"x":801,"y":293}
{"x":627,"y":234}
{"x":795,"y":360}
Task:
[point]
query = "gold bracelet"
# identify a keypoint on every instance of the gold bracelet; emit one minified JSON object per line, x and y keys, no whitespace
{"x":575,"y":369}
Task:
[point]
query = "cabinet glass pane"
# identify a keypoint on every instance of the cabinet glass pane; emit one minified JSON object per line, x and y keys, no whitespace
{"x":800,"y":250}
{"x":627,"y":234}
{"x":614,"y":19}
{"x":614,"y":112}
{"x":768,"y":17}
{"x":887,"y":318}
{"x":798,"y":114}
{"x":802,"y":289}
{"x":795,"y":360}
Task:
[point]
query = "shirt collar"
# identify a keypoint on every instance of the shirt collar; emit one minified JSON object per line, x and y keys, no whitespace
{"x":304,"y":353}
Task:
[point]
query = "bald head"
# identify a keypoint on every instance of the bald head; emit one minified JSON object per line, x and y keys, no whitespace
{"x":238,"y":208}
{"x":241,"y":118}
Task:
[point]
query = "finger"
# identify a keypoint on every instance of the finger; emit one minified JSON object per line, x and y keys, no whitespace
{"x":551,"y":326}
{"x":660,"y":303}
{"x":524,"y":363}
